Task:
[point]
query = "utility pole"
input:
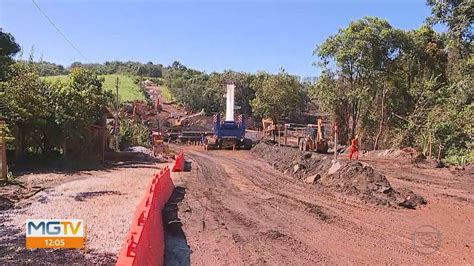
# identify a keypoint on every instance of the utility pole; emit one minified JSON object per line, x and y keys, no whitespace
{"x":116,"y":128}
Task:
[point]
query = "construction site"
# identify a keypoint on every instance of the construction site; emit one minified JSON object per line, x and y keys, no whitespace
{"x":370,"y":161}
{"x":289,"y":200}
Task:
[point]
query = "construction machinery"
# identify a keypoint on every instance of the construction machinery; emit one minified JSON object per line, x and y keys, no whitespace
{"x":180,"y":121}
{"x":230,"y":132}
{"x":313,"y":139}
{"x":158,"y":143}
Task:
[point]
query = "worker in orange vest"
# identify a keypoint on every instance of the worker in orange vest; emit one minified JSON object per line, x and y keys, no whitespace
{"x":354,"y":148}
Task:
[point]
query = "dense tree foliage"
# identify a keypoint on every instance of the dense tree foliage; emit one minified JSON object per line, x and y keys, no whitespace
{"x":131,"y":68}
{"x":364,"y":55}
{"x":148,"y":70}
{"x":277,"y":96}
{"x":42,"y":116}
{"x":402,"y":88}
{"x":8,"y":48}
{"x":45,"y":68}
{"x":458,"y":15}
{"x":79,"y":103}
{"x":199,"y":90}
{"x":261,"y":94}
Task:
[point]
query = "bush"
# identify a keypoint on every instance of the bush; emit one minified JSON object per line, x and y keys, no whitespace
{"x":133,"y":134}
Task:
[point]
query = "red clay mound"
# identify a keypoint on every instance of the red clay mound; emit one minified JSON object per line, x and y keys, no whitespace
{"x":348,"y":177}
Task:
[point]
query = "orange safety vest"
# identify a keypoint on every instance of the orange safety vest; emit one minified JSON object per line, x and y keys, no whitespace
{"x":355,"y":145}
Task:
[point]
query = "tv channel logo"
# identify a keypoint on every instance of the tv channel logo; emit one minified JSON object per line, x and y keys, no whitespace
{"x":42,"y":233}
{"x":427,"y":239}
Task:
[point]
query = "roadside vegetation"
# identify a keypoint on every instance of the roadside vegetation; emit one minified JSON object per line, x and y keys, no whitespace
{"x":166,"y":93}
{"x":44,"y":117}
{"x":392,"y":87}
{"x":403,"y":88}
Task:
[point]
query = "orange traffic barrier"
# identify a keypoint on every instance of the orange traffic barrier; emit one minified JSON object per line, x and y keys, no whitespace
{"x":145,"y":243}
{"x":179,"y":163}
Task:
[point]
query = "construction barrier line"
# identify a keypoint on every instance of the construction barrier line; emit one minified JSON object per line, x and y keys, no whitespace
{"x":179,"y":163}
{"x":144,"y":243}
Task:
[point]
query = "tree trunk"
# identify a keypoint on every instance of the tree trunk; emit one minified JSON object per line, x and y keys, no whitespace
{"x":354,"y":114}
{"x":19,"y":143}
{"x":382,"y":118}
{"x":430,"y":147}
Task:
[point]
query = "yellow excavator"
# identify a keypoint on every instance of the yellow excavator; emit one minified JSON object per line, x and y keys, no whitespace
{"x":313,"y":140}
{"x":181,"y":120}
{"x":158,"y":143}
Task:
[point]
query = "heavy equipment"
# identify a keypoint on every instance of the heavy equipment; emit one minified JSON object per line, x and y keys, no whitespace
{"x":158,"y":143}
{"x":313,"y":139}
{"x":180,"y":121}
{"x":230,"y":132}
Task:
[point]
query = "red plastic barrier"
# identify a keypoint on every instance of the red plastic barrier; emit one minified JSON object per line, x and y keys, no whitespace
{"x":179,"y":163}
{"x":145,"y":243}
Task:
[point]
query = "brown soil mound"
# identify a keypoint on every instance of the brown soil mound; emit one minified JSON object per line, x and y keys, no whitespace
{"x":348,"y":177}
{"x":199,"y":123}
{"x":406,"y":155}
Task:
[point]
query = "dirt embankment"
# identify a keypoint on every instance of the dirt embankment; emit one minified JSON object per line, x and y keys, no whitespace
{"x":353,"y":178}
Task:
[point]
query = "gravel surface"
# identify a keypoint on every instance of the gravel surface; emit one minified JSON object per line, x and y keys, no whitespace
{"x":104,"y":199}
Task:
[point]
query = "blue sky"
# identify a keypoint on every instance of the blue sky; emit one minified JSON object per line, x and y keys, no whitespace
{"x":206,"y":35}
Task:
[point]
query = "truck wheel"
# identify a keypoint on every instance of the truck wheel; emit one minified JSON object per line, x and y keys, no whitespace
{"x":247,"y":144}
{"x":209,"y":146}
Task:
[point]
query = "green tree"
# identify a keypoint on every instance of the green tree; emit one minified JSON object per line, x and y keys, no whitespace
{"x":419,"y":78}
{"x":8,"y":48}
{"x":277,"y":96}
{"x":80,"y":102}
{"x":28,"y":108}
{"x":458,"y":15}
{"x":363,"y":54}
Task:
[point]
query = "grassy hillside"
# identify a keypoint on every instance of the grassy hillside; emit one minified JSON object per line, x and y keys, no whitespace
{"x":128,"y":91}
{"x":165,"y":92}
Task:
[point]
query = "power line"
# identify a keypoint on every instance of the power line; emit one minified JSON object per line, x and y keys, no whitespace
{"x":59,"y":31}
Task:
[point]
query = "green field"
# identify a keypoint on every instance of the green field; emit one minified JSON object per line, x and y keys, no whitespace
{"x":128,"y":91}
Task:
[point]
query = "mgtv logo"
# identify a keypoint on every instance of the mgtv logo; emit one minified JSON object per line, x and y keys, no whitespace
{"x":55,"y":233}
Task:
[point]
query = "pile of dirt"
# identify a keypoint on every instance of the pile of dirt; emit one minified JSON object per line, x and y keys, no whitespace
{"x":199,"y":123}
{"x":406,"y":155}
{"x":12,"y":193}
{"x":348,"y":177}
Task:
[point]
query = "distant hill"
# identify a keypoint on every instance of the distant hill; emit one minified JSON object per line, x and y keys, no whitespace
{"x":128,"y":90}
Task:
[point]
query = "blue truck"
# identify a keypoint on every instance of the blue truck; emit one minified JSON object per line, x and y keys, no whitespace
{"x":231,"y":131}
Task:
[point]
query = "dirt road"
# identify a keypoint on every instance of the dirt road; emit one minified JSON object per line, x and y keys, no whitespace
{"x":239,"y":210}
{"x":166,"y":107}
